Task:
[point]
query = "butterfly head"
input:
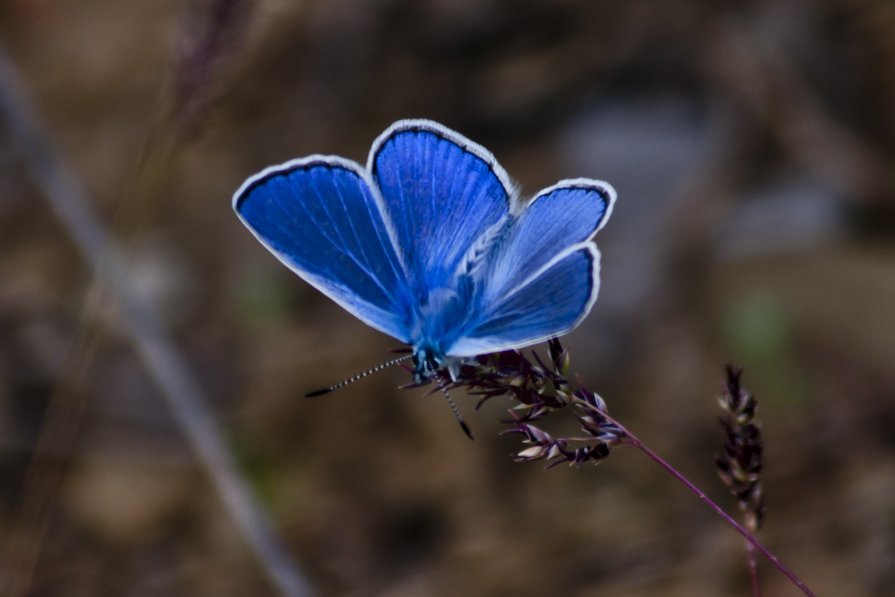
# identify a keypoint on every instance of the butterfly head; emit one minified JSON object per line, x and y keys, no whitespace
{"x":429,"y":364}
{"x":426,"y":364}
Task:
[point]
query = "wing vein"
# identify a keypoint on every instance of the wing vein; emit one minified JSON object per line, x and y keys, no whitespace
{"x":341,"y":246}
{"x":366,"y":265}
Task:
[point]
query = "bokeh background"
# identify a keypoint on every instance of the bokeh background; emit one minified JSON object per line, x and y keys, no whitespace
{"x":752,"y":146}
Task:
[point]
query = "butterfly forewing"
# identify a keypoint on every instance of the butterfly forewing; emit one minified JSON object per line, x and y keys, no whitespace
{"x":442,"y":192}
{"x":320,"y":216}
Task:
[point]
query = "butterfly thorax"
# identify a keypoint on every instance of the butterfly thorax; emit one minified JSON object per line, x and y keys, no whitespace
{"x":450,"y":294}
{"x":442,"y":316}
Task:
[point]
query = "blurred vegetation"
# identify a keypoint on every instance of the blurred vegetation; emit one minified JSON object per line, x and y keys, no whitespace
{"x":752,"y":146}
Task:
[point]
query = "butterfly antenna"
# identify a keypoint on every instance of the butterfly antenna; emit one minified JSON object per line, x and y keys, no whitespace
{"x":357,"y":377}
{"x":453,"y":405}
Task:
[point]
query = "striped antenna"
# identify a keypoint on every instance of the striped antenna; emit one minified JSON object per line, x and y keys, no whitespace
{"x":453,"y":405}
{"x":357,"y":377}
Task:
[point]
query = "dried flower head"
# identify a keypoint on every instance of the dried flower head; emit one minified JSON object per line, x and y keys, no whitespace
{"x":739,"y":466}
{"x":540,"y":388}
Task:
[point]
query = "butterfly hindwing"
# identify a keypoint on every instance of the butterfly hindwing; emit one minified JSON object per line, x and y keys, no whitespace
{"x":568,"y":213}
{"x":544,"y":278}
{"x":323,"y":219}
{"x":550,"y":303}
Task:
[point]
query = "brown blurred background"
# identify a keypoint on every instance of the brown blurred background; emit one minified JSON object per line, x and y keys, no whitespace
{"x":752,"y":146}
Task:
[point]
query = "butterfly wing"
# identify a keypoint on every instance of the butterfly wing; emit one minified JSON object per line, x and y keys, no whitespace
{"x":443,"y":193}
{"x":322,"y":217}
{"x":544,"y":278}
{"x":428,"y":244}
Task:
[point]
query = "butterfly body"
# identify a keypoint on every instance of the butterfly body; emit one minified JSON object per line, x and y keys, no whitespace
{"x":430,"y":244}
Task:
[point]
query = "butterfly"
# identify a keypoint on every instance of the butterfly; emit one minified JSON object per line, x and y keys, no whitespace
{"x":431,"y":244}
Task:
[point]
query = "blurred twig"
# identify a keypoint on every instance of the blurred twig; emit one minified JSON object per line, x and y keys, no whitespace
{"x":48,"y":464}
{"x":166,"y":365}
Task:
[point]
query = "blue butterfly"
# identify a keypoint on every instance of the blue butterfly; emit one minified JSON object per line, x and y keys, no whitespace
{"x":431,"y":244}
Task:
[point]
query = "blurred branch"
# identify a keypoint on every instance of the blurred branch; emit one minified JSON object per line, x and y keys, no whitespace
{"x":168,"y":368}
